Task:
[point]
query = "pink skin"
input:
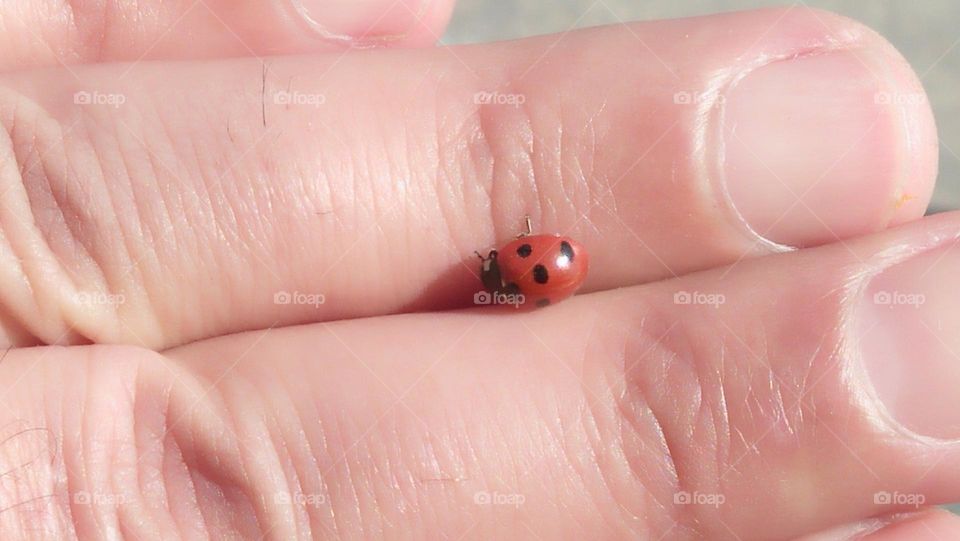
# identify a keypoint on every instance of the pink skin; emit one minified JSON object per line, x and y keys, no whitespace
{"x":51,"y":33}
{"x":781,"y":393}
{"x":596,"y":411}
{"x":378,"y":196}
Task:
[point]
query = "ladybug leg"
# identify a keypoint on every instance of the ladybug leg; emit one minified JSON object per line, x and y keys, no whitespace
{"x":513,"y":290}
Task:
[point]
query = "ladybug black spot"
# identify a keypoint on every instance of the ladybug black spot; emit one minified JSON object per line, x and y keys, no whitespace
{"x":543,"y":302}
{"x":540,"y":275}
{"x":524,"y":250}
{"x":566,"y":250}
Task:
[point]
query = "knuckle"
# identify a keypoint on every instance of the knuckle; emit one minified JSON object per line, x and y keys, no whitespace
{"x":465,"y":161}
{"x":697,"y":408}
{"x":524,"y":148}
{"x":120,"y":443}
{"x":89,"y":21}
{"x":28,"y":481}
{"x":687,"y":408}
{"x":61,"y":243}
{"x":648,"y":395}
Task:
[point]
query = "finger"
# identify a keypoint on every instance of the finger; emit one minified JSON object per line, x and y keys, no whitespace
{"x":759,"y":414}
{"x":48,"y":33}
{"x":202,"y":194}
{"x":926,"y":525}
{"x":933,"y":525}
{"x":759,"y":408}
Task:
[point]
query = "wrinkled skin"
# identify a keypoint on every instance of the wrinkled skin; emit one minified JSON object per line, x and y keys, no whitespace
{"x":710,"y":381}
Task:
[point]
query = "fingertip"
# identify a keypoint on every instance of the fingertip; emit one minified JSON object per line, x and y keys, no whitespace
{"x":921,"y":148}
{"x":835,"y":141}
{"x":902,"y":96}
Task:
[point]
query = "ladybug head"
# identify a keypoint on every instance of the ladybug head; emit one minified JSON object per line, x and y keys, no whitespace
{"x":490,"y":272}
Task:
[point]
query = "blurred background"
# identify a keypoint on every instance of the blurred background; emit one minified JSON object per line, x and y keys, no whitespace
{"x":927,"y":32}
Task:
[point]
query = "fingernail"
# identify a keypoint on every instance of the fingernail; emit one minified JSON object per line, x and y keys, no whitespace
{"x":812,"y":150}
{"x":360,"y":20}
{"x":909,"y":334}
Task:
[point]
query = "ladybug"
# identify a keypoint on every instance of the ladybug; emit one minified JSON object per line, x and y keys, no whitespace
{"x":534,"y":270}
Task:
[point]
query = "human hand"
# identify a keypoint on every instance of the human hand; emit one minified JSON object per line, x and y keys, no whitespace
{"x":161,"y":208}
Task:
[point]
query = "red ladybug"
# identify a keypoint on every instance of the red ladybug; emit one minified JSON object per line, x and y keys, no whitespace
{"x":534,"y":270}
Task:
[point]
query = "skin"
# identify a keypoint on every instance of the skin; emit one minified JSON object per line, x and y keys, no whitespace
{"x":724,"y":346}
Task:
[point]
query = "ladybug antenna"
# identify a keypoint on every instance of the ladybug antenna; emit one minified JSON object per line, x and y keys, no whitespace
{"x":478,"y":255}
{"x":529,"y":230}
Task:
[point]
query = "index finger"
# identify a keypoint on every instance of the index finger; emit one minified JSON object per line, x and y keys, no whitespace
{"x":211,"y":199}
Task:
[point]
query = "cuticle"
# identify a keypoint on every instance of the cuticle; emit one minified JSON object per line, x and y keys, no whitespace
{"x":362,"y":42}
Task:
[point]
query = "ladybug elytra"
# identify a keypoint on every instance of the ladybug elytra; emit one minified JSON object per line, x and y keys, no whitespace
{"x":534,"y":270}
